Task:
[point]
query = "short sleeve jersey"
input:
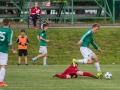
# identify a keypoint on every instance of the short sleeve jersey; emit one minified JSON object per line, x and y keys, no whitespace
{"x":43,"y":35}
{"x":5,"y":39}
{"x":87,"y":38}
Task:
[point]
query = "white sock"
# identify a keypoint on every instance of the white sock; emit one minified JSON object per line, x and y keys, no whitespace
{"x":97,"y":65}
{"x":2,"y":74}
{"x":82,"y":61}
{"x":35,"y":58}
{"x":44,"y":60}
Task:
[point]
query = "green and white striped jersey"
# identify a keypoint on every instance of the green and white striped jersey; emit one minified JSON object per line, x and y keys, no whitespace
{"x":87,"y":38}
{"x":5,"y":39}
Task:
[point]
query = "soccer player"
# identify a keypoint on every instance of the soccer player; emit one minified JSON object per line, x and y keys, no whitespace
{"x":42,"y":42}
{"x":73,"y":71}
{"x":22,"y":46}
{"x":88,"y":54}
{"x":5,"y":42}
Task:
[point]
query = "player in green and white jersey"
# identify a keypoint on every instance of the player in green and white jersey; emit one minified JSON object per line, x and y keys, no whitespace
{"x":42,"y":43}
{"x":84,"y":43}
{"x":5,"y":42}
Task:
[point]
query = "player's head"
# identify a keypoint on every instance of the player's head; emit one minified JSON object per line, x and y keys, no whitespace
{"x":22,"y":32}
{"x":45,"y":25}
{"x":35,"y":4}
{"x":95,"y":28}
{"x":6,"y":22}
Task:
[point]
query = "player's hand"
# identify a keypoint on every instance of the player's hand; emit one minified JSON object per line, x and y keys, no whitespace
{"x":79,"y":43}
{"x":47,"y":40}
{"x":100,"y":50}
{"x":23,"y":44}
{"x":14,"y":51}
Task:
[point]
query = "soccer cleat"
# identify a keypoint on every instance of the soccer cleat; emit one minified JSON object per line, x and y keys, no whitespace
{"x":55,"y":75}
{"x":74,"y":62}
{"x":3,"y":84}
{"x":33,"y":61}
{"x":96,"y":77}
{"x":99,"y":75}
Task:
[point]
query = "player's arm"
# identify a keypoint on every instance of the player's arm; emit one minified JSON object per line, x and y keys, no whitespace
{"x":83,"y":37}
{"x":95,"y":46}
{"x":41,"y":38}
{"x":9,"y":38}
{"x":18,"y":41}
{"x":79,"y":43}
{"x":27,"y":41}
{"x":38,"y":37}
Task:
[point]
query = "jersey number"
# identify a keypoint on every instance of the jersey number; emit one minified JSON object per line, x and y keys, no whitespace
{"x":2,"y":37}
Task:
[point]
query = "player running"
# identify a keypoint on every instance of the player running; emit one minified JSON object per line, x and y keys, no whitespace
{"x":88,"y":54}
{"x":73,"y":71}
{"x":42,"y":42}
{"x":5,"y":42}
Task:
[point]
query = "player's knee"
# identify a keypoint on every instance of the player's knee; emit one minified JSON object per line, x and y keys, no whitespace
{"x":89,"y":61}
{"x":68,"y":76}
{"x":96,"y":59}
{"x":3,"y":66}
{"x":79,"y":73}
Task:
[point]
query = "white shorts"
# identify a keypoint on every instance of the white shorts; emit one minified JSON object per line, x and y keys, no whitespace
{"x":43,"y":49}
{"x":86,"y":52}
{"x":3,"y":58}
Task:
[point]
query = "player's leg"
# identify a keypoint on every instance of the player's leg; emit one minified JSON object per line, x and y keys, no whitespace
{"x":88,"y":74}
{"x":19,"y":56}
{"x":19,"y":60}
{"x":42,"y":50}
{"x":26,"y":61}
{"x":3,"y":63}
{"x":45,"y":57}
{"x":97,"y":65}
{"x":25,"y":56}
{"x":44,"y":60}
{"x":86,"y":54}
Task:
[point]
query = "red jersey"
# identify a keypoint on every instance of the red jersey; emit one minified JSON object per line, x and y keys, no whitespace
{"x":35,"y":11}
{"x":71,"y":70}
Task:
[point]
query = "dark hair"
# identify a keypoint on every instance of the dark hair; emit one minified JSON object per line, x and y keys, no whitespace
{"x":22,"y":30}
{"x":45,"y":23}
{"x":95,"y":25}
{"x":6,"y":21}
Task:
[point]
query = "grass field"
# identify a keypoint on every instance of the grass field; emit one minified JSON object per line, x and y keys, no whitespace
{"x":38,"y":77}
{"x":62,"y":47}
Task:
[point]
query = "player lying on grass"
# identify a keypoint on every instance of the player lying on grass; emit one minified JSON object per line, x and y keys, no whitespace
{"x":73,"y":71}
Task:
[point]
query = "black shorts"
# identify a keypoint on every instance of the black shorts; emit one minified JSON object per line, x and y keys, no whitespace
{"x":22,"y":51}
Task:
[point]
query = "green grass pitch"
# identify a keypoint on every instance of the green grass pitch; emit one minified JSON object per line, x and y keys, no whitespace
{"x":38,"y":77}
{"x":61,"y":50}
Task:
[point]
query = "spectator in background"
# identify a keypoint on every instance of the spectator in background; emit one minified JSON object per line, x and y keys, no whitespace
{"x":35,"y":13}
{"x":10,"y":4}
{"x":22,"y":46}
